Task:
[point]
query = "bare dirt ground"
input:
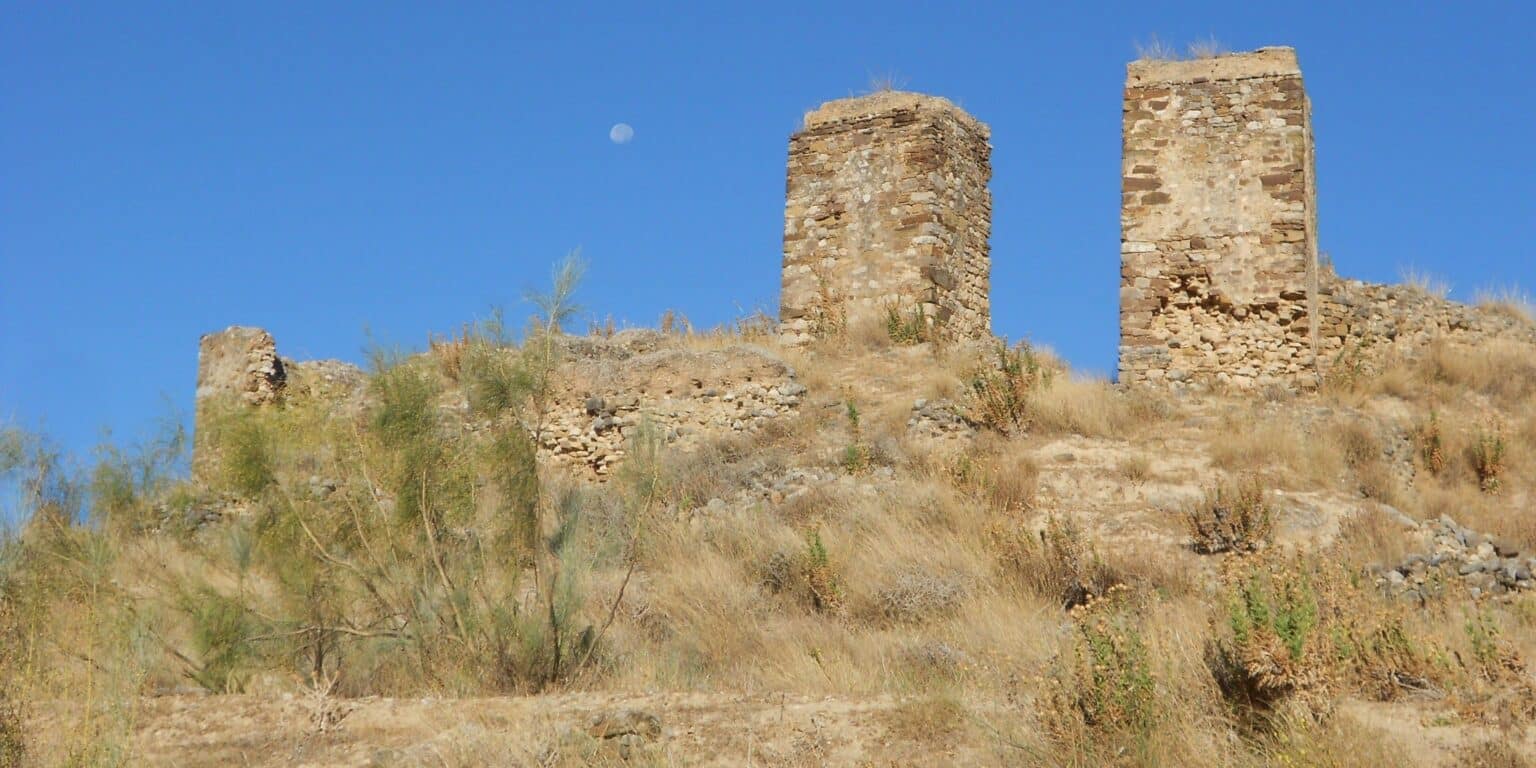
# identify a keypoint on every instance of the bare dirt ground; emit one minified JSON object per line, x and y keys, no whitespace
{"x":695,"y":729}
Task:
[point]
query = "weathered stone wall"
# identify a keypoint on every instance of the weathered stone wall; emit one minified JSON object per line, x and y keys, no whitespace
{"x":606,"y":388}
{"x":237,"y":366}
{"x":886,"y":207}
{"x":1218,"y":235}
{"x":611,"y":386}
{"x":1220,"y":281}
{"x":1362,"y":325}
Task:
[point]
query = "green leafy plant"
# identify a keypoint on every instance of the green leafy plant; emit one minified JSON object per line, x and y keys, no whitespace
{"x":1273,"y":648}
{"x":821,"y":578}
{"x":245,"y":450}
{"x":1102,"y":696}
{"x":1000,"y":394}
{"x":857,"y":454}
{"x":1487,"y":454}
{"x":907,"y":328}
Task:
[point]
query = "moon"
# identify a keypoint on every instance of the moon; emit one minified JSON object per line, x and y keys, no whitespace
{"x":621,"y":133}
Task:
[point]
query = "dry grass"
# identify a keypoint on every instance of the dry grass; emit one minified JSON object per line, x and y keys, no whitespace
{"x":930,"y":571}
{"x":1509,"y":301}
{"x":1155,"y":49}
{"x":1246,"y":442}
{"x":938,"y":719}
{"x":995,"y":473}
{"x":1135,"y":469}
{"x":1493,"y":753}
{"x":1373,"y":537}
{"x":1232,"y":517}
{"x":1423,"y":282}
{"x":1209,"y":48}
{"x":1504,"y":371}
{"x":1094,"y":408}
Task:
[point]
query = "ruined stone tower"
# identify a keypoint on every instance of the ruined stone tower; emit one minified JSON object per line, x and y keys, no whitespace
{"x":236,"y":367}
{"x":887,"y":208}
{"x":1218,"y":246}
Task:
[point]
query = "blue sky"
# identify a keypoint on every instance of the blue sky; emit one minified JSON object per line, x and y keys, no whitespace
{"x":322,"y":169}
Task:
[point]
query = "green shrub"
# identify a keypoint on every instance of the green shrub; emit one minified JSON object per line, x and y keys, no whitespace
{"x":1102,"y":696}
{"x":439,"y":559}
{"x":1487,"y":455}
{"x":1000,"y":395}
{"x":221,"y":640}
{"x":245,"y":450}
{"x":907,"y":328}
{"x":491,"y":373}
{"x":126,"y":485}
{"x":1272,"y":649}
{"x":821,"y":578}
{"x":857,"y":454}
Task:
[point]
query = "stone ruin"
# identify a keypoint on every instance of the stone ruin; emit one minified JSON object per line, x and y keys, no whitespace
{"x":1220,"y":280}
{"x":236,"y":367}
{"x":1218,"y":218}
{"x":612,"y":385}
{"x":887,"y":210}
{"x":609,"y":387}
{"x":239,"y":367}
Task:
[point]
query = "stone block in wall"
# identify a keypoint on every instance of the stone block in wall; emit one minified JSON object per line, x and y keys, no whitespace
{"x":887,"y":207}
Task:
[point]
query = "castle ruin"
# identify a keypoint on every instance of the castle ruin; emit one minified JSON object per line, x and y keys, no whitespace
{"x":887,"y":209}
{"x":1218,"y":219}
{"x":236,"y":367}
{"x":1220,"y":280}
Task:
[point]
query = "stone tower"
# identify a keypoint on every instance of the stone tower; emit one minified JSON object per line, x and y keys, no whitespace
{"x":236,"y":367}
{"x":887,"y":208}
{"x":1218,"y":245}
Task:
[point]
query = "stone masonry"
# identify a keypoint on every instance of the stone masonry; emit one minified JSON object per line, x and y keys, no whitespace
{"x":1220,"y":280}
{"x":607,"y":388}
{"x":237,"y":366}
{"x":887,"y":207}
{"x":1218,"y":223}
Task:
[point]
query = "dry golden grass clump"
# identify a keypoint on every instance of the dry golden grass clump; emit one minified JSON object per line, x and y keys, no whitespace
{"x":1233,"y":517}
{"x":1057,"y":563}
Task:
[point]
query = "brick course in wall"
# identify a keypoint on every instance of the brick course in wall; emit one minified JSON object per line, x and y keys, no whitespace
{"x":887,"y":207}
{"x":1218,"y":222}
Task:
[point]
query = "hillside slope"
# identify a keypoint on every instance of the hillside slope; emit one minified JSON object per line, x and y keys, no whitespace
{"x":680,"y":549}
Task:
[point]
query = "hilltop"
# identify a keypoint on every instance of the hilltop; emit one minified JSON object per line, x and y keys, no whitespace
{"x":1297,"y":529}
